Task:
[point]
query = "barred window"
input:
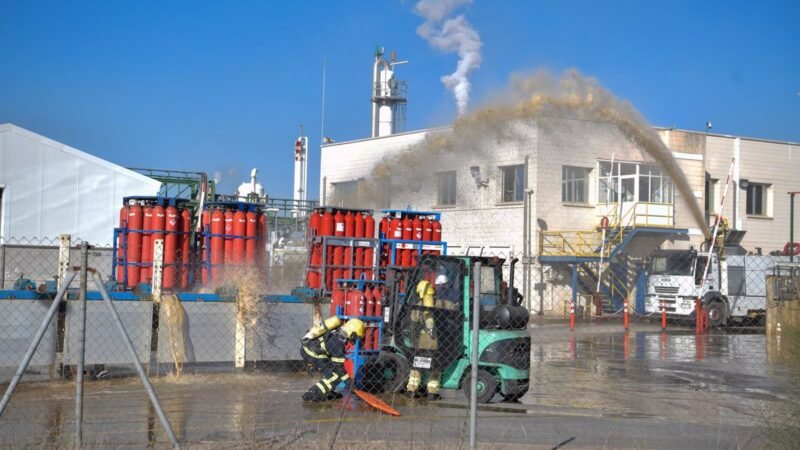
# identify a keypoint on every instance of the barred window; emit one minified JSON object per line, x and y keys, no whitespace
{"x":513,"y":183}
{"x":575,"y":184}
{"x":446,"y":188}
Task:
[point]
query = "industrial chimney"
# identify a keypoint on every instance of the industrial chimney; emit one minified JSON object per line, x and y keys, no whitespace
{"x":388,"y":97}
{"x":300,"y":171}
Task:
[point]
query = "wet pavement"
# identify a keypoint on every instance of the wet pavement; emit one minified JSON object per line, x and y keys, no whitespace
{"x":594,"y":386}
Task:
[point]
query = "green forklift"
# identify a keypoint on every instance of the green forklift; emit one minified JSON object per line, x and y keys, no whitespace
{"x":443,"y":345}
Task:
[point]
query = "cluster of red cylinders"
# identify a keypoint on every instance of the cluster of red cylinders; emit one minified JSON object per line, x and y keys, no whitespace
{"x":342,"y":262}
{"x":141,"y":223}
{"x":366,"y":302}
{"x":408,"y":227}
{"x":232,"y":237}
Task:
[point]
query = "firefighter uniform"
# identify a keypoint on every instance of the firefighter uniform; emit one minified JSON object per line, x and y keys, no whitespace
{"x":326,"y":353}
{"x":426,"y":343}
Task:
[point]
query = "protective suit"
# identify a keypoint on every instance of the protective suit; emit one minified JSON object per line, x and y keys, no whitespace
{"x":426,"y":343}
{"x":323,"y":348}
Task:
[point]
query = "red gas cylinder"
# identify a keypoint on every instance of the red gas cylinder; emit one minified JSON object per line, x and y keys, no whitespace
{"x":358,"y":257}
{"x":408,"y":234}
{"x":326,"y":229}
{"x":159,"y":221}
{"x":337,"y":301}
{"x":205,"y":243}
{"x":261,"y":240}
{"x":228,"y":237}
{"x":147,"y":245}
{"x":395,"y":232}
{"x":134,"y":250}
{"x":250,"y":233}
{"x":377,"y":294}
{"x":369,"y":310}
{"x":338,"y":251}
{"x":383,"y":229}
{"x":217,"y":243}
{"x":355,"y":303}
{"x":369,"y":253}
{"x":416,"y":225}
{"x":427,"y":233}
{"x":184,"y":240}
{"x":314,"y":229}
{"x":349,"y":231}
{"x":239,"y":233}
{"x":172,"y":227}
{"x":436,"y":235}
{"x":122,"y":243}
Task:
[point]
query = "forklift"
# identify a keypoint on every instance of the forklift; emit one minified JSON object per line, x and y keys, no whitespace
{"x":504,"y":341}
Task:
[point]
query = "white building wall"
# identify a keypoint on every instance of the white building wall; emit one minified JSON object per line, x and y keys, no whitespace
{"x":52,"y":189}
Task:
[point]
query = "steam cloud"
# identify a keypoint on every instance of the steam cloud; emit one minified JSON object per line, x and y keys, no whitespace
{"x":449,"y":36}
{"x":531,"y":100}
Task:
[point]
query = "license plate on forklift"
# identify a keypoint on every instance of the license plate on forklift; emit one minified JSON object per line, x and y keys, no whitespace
{"x":422,"y":362}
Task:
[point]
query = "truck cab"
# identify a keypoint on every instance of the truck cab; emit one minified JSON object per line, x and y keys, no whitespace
{"x":675,"y":277}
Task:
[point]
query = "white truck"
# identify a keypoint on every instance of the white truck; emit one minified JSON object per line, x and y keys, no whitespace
{"x":735,"y":287}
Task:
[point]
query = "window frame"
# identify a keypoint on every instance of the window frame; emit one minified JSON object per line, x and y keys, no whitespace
{"x":440,"y":195}
{"x":573,"y":184}
{"x":766,"y":189}
{"x":517,"y":171}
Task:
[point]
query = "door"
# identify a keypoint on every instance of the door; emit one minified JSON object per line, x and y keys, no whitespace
{"x":628,"y":189}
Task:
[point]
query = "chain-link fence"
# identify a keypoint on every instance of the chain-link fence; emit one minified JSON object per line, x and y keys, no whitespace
{"x":590,"y":353}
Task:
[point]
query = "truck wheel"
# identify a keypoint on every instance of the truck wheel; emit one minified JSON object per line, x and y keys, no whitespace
{"x":487,"y":386}
{"x":389,"y":373}
{"x":717,"y":316}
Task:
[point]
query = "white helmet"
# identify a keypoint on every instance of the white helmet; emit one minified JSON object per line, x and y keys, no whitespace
{"x":440,"y":279}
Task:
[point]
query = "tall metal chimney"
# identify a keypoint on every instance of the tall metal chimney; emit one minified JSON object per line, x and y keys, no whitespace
{"x":388,"y":97}
{"x":300,"y":171}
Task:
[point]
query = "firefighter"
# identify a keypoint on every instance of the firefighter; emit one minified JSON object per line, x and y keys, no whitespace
{"x":426,"y":344}
{"x":324,"y":350}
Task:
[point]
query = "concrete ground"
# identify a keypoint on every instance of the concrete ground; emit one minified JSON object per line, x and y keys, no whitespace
{"x":593,"y":388}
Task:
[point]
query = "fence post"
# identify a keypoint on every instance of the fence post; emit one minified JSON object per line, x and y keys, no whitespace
{"x":473,"y":389}
{"x":65,"y":241}
{"x":2,"y":265}
{"x":663,"y":315}
{"x":625,"y":313}
{"x":81,"y":346}
{"x":158,"y":268}
{"x":36,"y":340}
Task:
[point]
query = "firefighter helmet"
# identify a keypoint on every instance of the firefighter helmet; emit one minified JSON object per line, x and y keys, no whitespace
{"x":354,"y":327}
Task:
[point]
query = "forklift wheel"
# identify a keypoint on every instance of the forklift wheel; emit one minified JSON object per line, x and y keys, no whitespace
{"x":389,"y":373}
{"x":487,"y":386}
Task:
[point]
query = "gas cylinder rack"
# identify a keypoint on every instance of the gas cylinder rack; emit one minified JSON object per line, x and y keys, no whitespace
{"x":142,"y":220}
{"x":233,"y":235}
{"x":405,"y":236}
{"x":341,"y":245}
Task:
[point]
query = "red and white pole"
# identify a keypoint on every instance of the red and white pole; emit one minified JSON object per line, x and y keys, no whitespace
{"x":698,"y":314}
{"x":663,"y":315}
{"x":572,"y":316}
{"x":625,"y":314}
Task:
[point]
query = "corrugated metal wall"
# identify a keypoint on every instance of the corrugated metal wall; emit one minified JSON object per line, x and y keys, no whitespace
{"x":51,"y":188}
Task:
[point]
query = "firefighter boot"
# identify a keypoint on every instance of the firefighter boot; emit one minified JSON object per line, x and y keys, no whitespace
{"x":433,"y":386}
{"x":314,"y":395}
{"x":414,"y":380}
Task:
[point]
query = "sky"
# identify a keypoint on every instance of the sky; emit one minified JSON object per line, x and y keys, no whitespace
{"x":225,"y":86}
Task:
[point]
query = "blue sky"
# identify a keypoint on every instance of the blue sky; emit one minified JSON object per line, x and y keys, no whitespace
{"x":224,"y":86}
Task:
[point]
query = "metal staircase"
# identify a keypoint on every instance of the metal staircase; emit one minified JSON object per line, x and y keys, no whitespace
{"x":598,"y":253}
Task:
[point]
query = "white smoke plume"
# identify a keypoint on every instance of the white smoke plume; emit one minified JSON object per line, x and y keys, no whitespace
{"x":455,"y":34}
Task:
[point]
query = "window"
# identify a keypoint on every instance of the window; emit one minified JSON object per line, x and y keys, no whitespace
{"x":346,"y":194}
{"x":513,"y":183}
{"x":711,"y":195}
{"x":446,"y":188}
{"x":757,"y":198}
{"x":574,"y":184}
{"x":630,"y":182}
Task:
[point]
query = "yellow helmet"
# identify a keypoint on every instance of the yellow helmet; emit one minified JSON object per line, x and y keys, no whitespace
{"x":354,"y":326}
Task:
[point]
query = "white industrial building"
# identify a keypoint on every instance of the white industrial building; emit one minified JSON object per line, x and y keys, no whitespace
{"x":48,"y":188}
{"x":545,"y":193}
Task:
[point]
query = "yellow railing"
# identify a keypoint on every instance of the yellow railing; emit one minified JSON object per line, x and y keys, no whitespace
{"x":588,"y":243}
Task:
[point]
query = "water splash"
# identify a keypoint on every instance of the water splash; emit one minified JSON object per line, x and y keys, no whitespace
{"x":530,"y":98}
